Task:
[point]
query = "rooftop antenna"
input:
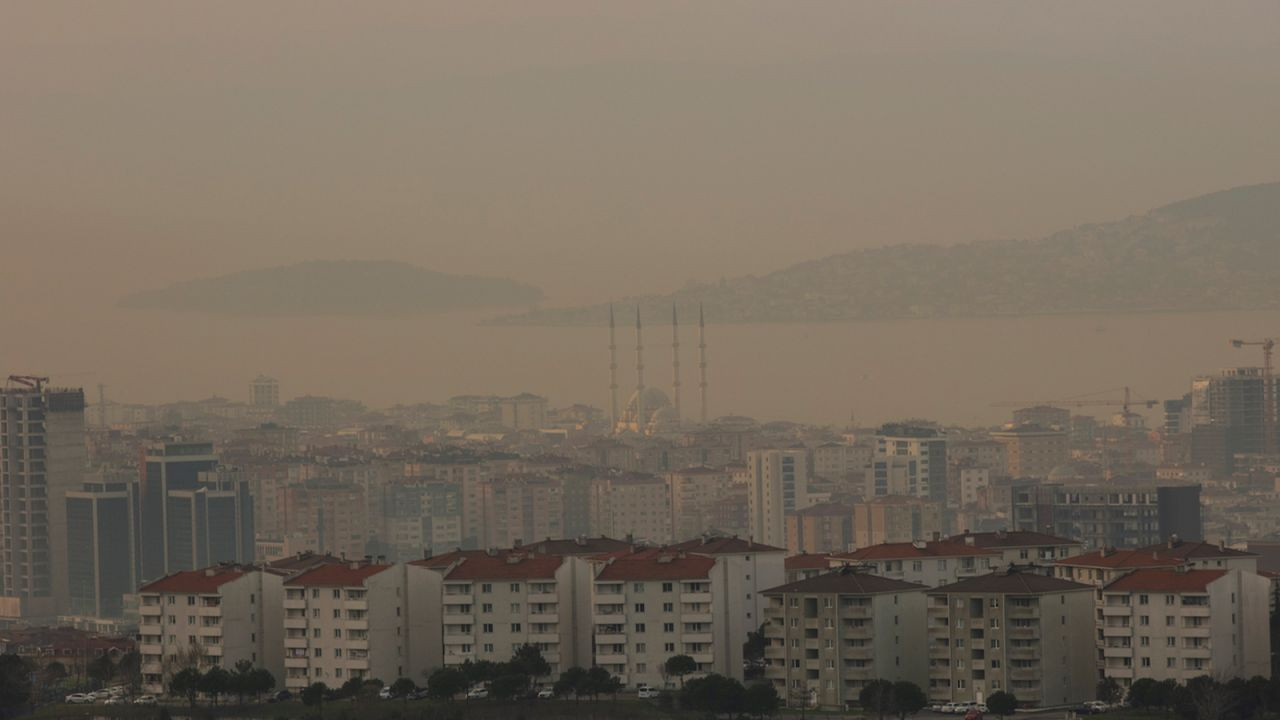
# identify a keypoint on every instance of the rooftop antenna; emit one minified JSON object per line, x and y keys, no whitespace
{"x":640,"y":416}
{"x":613,"y":374}
{"x":675,"y":361}
{"x":702,"y":361}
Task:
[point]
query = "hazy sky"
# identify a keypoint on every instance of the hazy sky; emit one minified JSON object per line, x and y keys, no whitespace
{"x":591,"y":148}
{"x":561,"y":142}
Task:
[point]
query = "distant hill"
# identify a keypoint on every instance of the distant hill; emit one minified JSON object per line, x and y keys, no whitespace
{"x":336,"y":288}
{"x":1214,"y":252}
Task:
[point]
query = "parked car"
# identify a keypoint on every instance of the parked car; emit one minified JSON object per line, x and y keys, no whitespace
{"x":386,"y":694}
{"x":419,"y":694}
{"x":116,"y":700}
{"x":644,"y":692}
{"x":78,"y":699}
{"x":1097,"y":706}
{"x":546,"y":694}
{"x":145,"y":700}
{"x":478,"y":693}
{"x":281,"y":696}
{"x":949,"y":708}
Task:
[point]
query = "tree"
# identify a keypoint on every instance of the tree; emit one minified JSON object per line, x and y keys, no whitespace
{"x":477,"y":672}
{"x":1144,"y":694}
{"x":761,"y":699}
{"x":186,"y":683}
{"x":241,"y":683}
{"x":601,"y":682}
{"x":101,"y":670}
{"x":573,"y":680}
{"x":261,"y":681}
{"x":714,"y":694}
{"x":508,"y":685}
{"x":215,"y":683}
{"x":1109,"y":691}
{"x":908,"y":698}
{"x":351,"y":688}
{"x":753,"y":652}
{"x":314,"y":694}
{"x":402,"y":688}
{"x":445,"y":683}
{"x":528,"y":658}
{"x":1002,"y":703}
{"x":15,"y":683}
{"x":129,"y":669}
{"x":877,"y":696}
{"x":680,"y":665}
{"x":53,"y":673}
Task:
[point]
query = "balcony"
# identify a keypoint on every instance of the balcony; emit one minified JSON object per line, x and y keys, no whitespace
{"x":295,"y":642}
{"x":452,"y":618}
{"x":1195,"y":611}
{"x":295,"y":623}
{"x":296,"y":662}
{"x":611,"y":659}
{"x":149,"y":611}
{"x":610,"y":599}
{"x":775,"y":652}
{"x":547,"y":598}
{"x":703,"y":657}
{"x":209,"y":611}
{"x":362,"y":604}
{"x":295,"y":603}
{"x":695,"y":597}
{"x":1116,"y":611}
{"x":696,"y":617}
{"x":545,"y":638}
{"x":150,"y":649}
{"x":863,"y":611}
{"x":362,"y":624}
{"x":702,"y":637}
{"x":617,"y":618}
{"x":611,"y":639}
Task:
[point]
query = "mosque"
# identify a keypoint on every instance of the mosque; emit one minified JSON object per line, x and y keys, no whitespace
{"x":650,"y":411}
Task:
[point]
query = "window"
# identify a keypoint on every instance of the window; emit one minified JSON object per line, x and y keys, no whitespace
{"x":486,"y":607}
{"x":667,"y":587}
{"x":486,"y":587}
{"x":917,"y":566}
{"x":337,"y":652}
{"x":515,"y":627}
{"x":488,"y":647}
{"x":1144,"y":641}
{"x":1144,"y":620}
{"x":1142,"y":599}
{"x":668,"y":627}
{"x":191,"y":599}
{"x":515,"y":607}
{"x":1171,"y":642}
{"x":486,"y":628}
{"x":668,"y":607}
{"x":1171,"y":662}
{"x":515,"y":587}
{"x":1169,"y":621}
{"x":637,"y":587}
{"x":1168,"y":599}
{"x":337,"y":614}
{"x":639,"y":607}
{"x":668,"y":647}
{"x":640,"y":648}
{"x":337,"y":594}
{"x":641,"y":667}
{"x":639,"y":627}
{"x":1146,"y":662}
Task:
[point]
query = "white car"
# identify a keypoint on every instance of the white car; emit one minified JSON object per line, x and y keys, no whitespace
{"x":478,"y":693}
{"x":546,"y":694}
{"x":116,"y":700}
{"x":145,"y":700}
{"x":644,"y":692}
{"x":949,"y":708}
{"x":78,"y":699}
{"x":385,"y":694}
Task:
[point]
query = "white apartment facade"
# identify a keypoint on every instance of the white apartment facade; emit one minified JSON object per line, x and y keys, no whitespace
{"x":650,"y":606}
{"x":830,"y":635}
{"x":492,"y":603}
{"x":778,"y":483}
{"x":1181,"y":623}
{"x":216,"y":616}
{"x":355,"y":619}
{"x":633,"y":506}
{"x":927,"y":562}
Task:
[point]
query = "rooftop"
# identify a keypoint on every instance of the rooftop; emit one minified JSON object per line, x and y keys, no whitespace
{"x":846,"y":582}
{"x":807,"y":561}
{"x":511,"y":565}
{"x":665,"y":566}
{"x":1012,"y":582}
{"x":1163,"y":580}
{"x":577,"y":546}
{"x":918,"y":549}
{"x":342,"y":575}
{"x":1011,"y":539}
{"x":719,"y":545}
{"x":1112,"y":558}
{"x":196,"y":582}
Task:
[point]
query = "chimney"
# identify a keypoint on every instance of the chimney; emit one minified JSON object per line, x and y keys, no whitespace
{"x":581,"y":540}
{"x":426,"y":553}
{"x":970,"y":541}
{"x":630,"y":538}
{"x":1002,"y":534}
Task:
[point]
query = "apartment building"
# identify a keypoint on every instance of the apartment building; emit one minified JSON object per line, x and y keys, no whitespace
{"x":1181,"y":623}
{"x":745,"y":569}
{"x":324,"y":516}
{"x":1109,"y":514}
{"x":778,"y":483}
{"x":1011,"y":631}
{"x":220,"y":615}
{"x":909,"y":460}
{"x":1103,"y":566}
{"x":354,"y":619}
{"x":1022,"y":547}
{"x":829,"y":635}
{"x":840,"y":461}
{"x":631,"y":505}
{"x":926,"y":562}
{"x":1032,"y":450}
{"x":494,"y":602}
{"x":646,"y":609}
{"x":521,"y":507}
{"x":806,"y":565}
{"x":825,"y":527}
{"x":895,"y":518}
{"x":695,"y":493}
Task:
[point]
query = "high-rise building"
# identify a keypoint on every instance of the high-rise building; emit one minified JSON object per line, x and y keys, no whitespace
{"x":634,"y":506}
{"x":1109,"y":515}
{"x":42,"y":456}
{"x":264,"y":392}
{"x":102,"y":525}
{"x":1033,"y":450}
{"x":778,"y":483}
{"x":211,"y":523}
{"x":1045,"y":416}
{"x":1234,"y":399}
{"x":525,"y":411}
{"x":895,"y":518}
{"x":696,"y":492}
{"x":909,"y":460}
{"x":167,"y":467}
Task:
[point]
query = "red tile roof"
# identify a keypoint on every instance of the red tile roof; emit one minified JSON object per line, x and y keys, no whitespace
{"x":337,"y":575}
{"x":194,"y":581}
{"x":906,"y":550}
{"x":667,"y":566}
{"x":1012,"y":582}
{"x":444,"y":560}
{"x":1012,"y":539}
{"x":723,"y":546}
{"x":1114,"y":559}
{"x":1197,"y":550}
{"x":807,"y":561}
{"x":1159,"y":580}
{"x":577,"y":546}
{"x":512,"y":566}
{"x":850,"y":583}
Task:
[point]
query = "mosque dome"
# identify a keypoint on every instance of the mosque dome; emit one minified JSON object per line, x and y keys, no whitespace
{"x":659,"y":415}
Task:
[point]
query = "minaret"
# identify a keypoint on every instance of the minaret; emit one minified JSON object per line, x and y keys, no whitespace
{"x":613,"y":375}
{"x":640,"y":416}
{"x":675,"y":362}
{"x":702,"y":362}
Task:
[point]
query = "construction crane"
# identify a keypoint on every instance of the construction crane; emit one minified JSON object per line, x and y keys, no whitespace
{"x":32,"y":381}
{"x":1268,"y":391}
{"x":1084,"y":401}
